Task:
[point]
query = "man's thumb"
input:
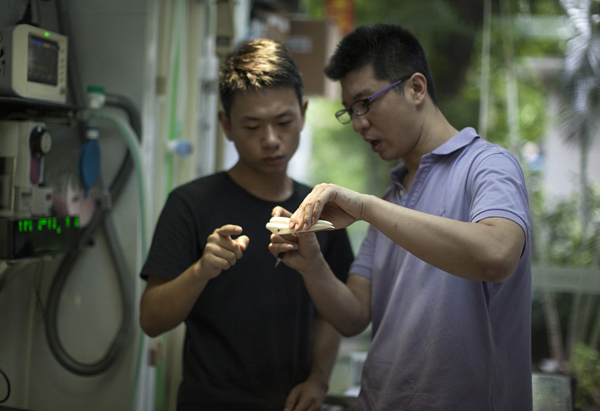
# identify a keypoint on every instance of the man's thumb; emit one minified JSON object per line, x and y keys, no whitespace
{"x":243,"y":241}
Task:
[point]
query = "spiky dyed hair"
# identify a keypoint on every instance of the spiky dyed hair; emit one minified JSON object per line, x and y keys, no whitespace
{"x":257,"y":65}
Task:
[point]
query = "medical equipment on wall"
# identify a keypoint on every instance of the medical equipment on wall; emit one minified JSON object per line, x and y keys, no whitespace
{"x":33,"y":63}
{"x":34,"y":89}
{"x":131,"y":130}
{"x":27,"y":227}
{"x":28,"y":230}
{"x":89,"y":159}
{"x":23,"y":145}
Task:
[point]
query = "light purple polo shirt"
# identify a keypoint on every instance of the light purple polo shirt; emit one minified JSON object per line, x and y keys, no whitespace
{"x":441,"y":342}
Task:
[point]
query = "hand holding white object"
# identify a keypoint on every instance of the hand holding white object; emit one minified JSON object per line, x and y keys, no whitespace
{"x":280,"y":226}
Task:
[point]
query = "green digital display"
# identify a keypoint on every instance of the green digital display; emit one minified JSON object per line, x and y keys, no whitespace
{"x":47,"y":224}
{"x":33,"y":237}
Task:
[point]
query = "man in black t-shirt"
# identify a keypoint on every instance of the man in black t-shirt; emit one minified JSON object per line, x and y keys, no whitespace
{"x":253,"y":338}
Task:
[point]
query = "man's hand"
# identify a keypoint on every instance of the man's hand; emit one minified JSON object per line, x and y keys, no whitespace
{"x":222,"y":251}
{"x":307,"y":396}
{"x":336,"y":204}
{"x":166,"y":304}
{"x":301,"y":249}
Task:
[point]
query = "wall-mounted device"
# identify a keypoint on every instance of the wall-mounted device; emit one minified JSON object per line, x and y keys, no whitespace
{"x":33,"y":63}
{"x":27,"y":227}
{"x":23,"y":145}
{"x":33,"y":237}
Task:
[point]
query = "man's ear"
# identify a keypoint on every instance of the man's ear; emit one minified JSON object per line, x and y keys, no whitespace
{"x":303,"y":108}
{"x":418,"y":86}
{"x":225,"y":124}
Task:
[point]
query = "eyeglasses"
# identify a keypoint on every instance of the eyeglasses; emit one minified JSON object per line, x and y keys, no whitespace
{"x":361,"y":107}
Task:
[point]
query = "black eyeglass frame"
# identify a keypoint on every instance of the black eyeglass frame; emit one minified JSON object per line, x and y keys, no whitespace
{"x":366,"y":102}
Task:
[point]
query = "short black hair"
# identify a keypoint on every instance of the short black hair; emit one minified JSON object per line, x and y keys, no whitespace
{"x":393,"y":52}
{"x":256,"y":65}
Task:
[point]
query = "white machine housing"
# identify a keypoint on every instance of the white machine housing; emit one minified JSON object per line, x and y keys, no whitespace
{"x":22,"y":192}
{"x":33,"y":63}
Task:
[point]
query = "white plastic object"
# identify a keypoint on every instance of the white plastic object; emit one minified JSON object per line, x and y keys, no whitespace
{"x":92,"y":133}
{"x":96,"y":97}
{"x":183,"y":148}
{"x":281,"y":225}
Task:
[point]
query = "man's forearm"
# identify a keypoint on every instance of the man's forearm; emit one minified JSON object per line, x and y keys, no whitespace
{"x":165,"y":306}
{"x":345,"y":305}
{"x":326,"y":343}
{"x":484,"y":251}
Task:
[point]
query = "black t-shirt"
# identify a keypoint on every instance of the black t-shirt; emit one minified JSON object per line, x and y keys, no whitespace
{"x":248,"y":336}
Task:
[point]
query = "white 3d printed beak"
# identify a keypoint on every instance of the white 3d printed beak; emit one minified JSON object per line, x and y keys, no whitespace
{"x":281,"y":226}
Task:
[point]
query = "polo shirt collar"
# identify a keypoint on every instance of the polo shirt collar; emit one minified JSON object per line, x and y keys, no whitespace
{"x":460,"y":140}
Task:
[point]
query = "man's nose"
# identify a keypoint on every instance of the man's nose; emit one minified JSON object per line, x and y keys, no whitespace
{"x":271,"y":139}
{"x":359,"y":123}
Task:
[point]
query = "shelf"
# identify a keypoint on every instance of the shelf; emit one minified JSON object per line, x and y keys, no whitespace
{"x":16,"y":105}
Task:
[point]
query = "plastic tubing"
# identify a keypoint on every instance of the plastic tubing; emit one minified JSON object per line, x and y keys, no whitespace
{"x":119,"y":344}
{"x":101,"y":216}
{"x":58,"y":350}
{"x":135,"y":150}
{"x":125,"y":282}
{"x":136,"y":123}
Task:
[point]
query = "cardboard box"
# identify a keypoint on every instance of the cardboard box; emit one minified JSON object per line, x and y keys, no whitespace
{"x":277,"y":26}
{"x":312,"y":42}
{"x":272,"y":25}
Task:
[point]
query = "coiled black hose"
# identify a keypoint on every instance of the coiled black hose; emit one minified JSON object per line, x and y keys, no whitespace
{"x":125,"y":280}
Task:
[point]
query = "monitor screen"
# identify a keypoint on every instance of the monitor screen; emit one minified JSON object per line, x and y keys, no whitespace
{"x":42,"y":60}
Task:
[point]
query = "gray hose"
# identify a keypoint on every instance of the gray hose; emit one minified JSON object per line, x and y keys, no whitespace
{"x":119,"y":344}
{"x":136,"y":123}
{"x":125,"y":281}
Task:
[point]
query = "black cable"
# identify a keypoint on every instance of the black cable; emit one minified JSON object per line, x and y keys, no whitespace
{"x":38,"y":287}
{"x":7,"y":387}
{"x":78,"y":95}
{"x":27,"y":16}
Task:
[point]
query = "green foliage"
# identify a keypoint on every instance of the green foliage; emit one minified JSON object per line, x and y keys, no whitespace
{"x":558,"y":230}
{"x":314,"y":8}
{"x":559,"y":239}
{"x":586,"y":364}
{"x":532,"y":93}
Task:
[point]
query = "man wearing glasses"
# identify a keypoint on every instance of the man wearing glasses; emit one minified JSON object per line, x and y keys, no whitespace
{"x":444,"y":271}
